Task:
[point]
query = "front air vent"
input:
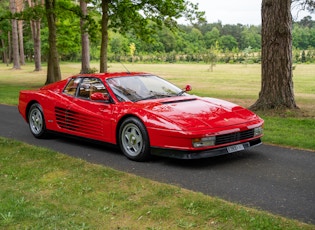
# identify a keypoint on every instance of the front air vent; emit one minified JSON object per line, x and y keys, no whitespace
{"x":233,"y":137}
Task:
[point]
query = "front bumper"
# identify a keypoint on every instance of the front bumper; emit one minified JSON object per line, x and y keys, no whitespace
{"x":171,"y":153}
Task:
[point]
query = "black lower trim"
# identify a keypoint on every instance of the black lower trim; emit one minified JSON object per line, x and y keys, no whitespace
{"x":171,"y":153}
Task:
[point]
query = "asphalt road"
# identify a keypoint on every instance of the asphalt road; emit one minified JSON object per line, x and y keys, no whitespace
{"x":274,"y":179}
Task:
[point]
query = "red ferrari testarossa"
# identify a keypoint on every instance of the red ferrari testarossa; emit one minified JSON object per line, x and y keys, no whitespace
{"x":141,"y":113}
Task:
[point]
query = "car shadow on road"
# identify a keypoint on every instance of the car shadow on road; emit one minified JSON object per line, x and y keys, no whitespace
{"x":216,"y":162}
{"x":100,"y":152}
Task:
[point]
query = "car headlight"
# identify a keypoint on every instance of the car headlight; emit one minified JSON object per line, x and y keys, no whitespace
{"x":203,"y":142}
{"x":258,"y":131}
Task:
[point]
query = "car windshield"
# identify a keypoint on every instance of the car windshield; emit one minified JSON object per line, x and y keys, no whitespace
{"x":142,"y":87}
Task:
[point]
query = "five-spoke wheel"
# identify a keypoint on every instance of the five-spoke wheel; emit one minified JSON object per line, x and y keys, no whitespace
{"x":134,"y":140}
{"x":36,"y":121}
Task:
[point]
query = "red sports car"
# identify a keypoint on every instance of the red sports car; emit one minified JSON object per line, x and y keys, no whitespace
{"x":141,"y":113}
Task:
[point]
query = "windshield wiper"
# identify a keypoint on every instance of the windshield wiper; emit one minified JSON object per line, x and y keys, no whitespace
{"x":181,"y":93}
{"x":146,"y":98}
{"x":154,"y":96}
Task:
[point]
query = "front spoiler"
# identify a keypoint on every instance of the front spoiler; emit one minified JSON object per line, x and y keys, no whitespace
{"x":171,"y":153}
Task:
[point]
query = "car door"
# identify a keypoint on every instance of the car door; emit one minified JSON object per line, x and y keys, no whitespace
{"x":84,"y":117}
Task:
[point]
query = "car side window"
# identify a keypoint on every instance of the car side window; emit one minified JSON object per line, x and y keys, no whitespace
{"x":72,"y":86}
{"x":88,"y":86}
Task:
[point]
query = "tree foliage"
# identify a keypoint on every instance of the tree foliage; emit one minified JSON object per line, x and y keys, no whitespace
{"x":142,"y":18}
{"x":155,"y":37}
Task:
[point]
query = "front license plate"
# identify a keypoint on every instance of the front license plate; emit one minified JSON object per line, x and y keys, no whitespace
{"x":235,"y":148}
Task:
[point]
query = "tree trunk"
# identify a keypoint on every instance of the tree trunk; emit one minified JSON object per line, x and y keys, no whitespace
{"x":19,"y":9}
{"x":4,"y":49}
{"x":37,"y":44}
{"x":276,"y":82}
{"x":85,"y":62}
{"x":4,"y":52}
{"x":35,"y":28}
{"x":15,"y":38}
{"x":21,"y":44}
{"x":104,"y":45}
{"x":9,"y":48}
{"x":53,"y":68}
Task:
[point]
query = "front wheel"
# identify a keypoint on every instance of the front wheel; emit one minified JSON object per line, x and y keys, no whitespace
{"x":36,"y":121}
{"x":134,"y":140}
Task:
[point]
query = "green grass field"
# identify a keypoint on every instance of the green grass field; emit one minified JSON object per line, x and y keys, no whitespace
{"x":42,"y":189}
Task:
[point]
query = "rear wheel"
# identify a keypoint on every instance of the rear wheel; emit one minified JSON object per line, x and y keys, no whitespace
{"x":134,"y":140}
{"x":36,"y":121}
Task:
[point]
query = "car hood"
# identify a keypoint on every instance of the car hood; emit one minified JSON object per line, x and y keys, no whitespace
{"x":196,"y":113}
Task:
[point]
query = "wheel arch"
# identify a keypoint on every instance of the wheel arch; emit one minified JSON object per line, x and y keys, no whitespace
{"x":122,"y":119}
{"x":133,"y":138}
{"x":28,"y":107}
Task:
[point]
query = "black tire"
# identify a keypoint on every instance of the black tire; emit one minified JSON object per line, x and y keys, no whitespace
{"x":36,"y":121}
{"x":134,"y":140}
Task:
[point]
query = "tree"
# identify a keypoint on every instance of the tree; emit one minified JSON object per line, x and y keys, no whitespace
{"x":301,"y":36}
{"x":227,"y":42}
{"x":212,"y":37}
{"x":212,"y":55}
{"x":132,"y":49}
{"x":138,"y":16}
{"x":15,"y":38}
{"x":307,"y":22}
{"x":194,"y":41}
{"x":104,"y":41}
{"x":119,"y":45}
{"x":250,"y":36}
{"x":5,"y":33}
{"x":168,"y":39}
{"x":35,"y":30}
{"x":276,"y":80}
{"x":53,"y":68}
{"x":19,"y":8}
{"x":85,"y":49}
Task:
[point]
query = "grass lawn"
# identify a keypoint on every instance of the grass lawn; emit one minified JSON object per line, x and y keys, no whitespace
{"x":42,"y":189}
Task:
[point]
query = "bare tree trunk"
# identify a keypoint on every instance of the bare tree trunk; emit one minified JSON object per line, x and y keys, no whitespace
{"x":21,"y":44}
{"x":4,"y":49}
{"x":15,"y":46}
{"x":15,"y":38}
{"x":4,"y":52}
{"x":19,"y":8}
{"x":276,"y":83}
{"x":37,"y":44}
{"x":9,"y":48}
{"x":35,"y":28}
{"x":85,"y":62}
{"x":104,"y":45}
{"x":53,"y":68}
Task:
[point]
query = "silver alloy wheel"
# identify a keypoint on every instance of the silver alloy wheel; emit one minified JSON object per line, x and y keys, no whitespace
{"x":132,"y":140}
{"x":36,"y":121}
